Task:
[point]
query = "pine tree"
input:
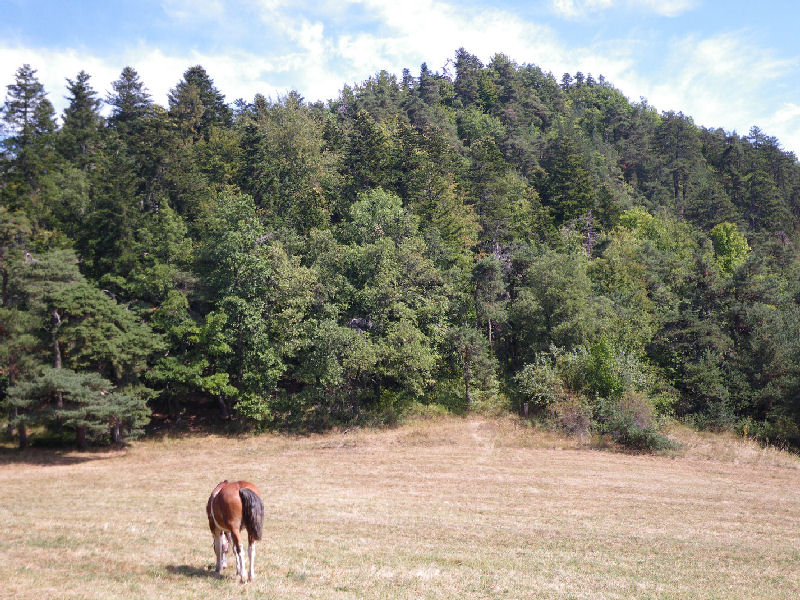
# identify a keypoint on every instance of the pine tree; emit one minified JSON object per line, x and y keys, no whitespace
{"x":76,"y":401}
{"x":79,"y":329}
{"x":30,"y":120}
{"x":197,"y":105}
{"x":79,"y":135}
{"x":130,"y":100}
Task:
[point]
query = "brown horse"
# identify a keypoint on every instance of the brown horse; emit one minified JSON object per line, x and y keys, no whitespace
{"x":231,"y":508}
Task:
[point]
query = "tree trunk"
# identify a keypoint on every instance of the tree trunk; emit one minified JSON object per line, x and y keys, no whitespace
{"x":466,"y":383}
{"x":80,"y":435}
{"x":57,"y":353}
{"x":116,"y":436}
{"x":22,"y":434}
{"x":5,"y":288}
{"x":223,"y":407}
{"x":676,"y":186}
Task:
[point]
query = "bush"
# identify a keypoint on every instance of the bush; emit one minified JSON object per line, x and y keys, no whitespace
{"x":630,"y":421}
{"x":572,"y":414}
{"x":419,"y":411}
{"x":778,"y":429}
{"x":539,"y":382}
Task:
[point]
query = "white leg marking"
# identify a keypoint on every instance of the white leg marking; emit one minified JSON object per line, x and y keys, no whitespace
{"x":223,"y":551}
{"x":228,"y":543}
{"x":218,"y":551}
{"x":251,"y":556}
{"x":240,"y":561}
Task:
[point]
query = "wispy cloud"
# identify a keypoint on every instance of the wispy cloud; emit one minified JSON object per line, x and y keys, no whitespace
{"x":718,"y":80}
{"x":316,"y":48}
{"x":189,"y":10}
{"x":576,"y":9}
{"x":579,"y":8}
{"x":786,"y":120}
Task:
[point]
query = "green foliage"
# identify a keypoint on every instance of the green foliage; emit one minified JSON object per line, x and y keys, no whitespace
{"x":596,"y":390}
{"x":82,"y":402}
{"x":469,"y":240}
{"x":730,"y":247}
{"x":629,"y":422}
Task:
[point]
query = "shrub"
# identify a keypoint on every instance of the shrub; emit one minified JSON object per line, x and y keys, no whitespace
{"x":572,"y":414}
{"x":539,"y":382}
{"x":778,"y":429}
{"x":630,"y":421}
{"x":418,"y":410}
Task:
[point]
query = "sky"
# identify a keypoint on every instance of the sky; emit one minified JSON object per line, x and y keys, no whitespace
{"x":732,"y":64}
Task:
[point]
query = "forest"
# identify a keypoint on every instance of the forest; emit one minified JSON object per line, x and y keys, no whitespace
{"x":487,"y":237}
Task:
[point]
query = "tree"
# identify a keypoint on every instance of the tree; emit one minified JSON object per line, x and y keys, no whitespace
{"x":478,"y":365}
{"x":197,"y":106}
{"x":29,"y":119}
{"x":80,"y":329}
{"x":368,"y":154}
{"x":568,"y":189}
{"x":730,"y":246}
{"x":80,"y":132}
{"x":678,"y":140}
{"x":130,"y":100}
{"x":197,"y":357}
{"x":73,"y":400}
{"x":288,"y":169}
{"x":490,"y":294}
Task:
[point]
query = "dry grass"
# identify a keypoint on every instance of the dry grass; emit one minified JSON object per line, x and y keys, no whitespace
{"x":452,"y":508}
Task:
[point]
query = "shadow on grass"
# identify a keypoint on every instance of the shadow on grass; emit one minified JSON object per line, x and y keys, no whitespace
{"x":192,"y":571}
{"x":46,"y":457}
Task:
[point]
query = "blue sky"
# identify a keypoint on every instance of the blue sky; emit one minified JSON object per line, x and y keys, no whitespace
{"x":730,"y":64}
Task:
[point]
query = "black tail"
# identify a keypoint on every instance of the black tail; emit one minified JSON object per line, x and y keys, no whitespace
{"x":252,"y":512}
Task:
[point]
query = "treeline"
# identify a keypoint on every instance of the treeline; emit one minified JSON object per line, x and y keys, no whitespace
{"x":494,"y":238}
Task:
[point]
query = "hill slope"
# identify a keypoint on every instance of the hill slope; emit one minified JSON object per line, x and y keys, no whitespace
{"x":466,"y":508}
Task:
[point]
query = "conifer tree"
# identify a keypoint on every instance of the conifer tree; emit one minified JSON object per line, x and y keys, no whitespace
{"x":130,"y":100}
{"x":197,"y":105}
{"x":80,"y":132}
{"x":78,"y":329}
{"x":30,"y":157}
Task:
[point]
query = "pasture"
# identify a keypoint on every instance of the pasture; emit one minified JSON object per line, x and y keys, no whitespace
{"x":451,"y":508}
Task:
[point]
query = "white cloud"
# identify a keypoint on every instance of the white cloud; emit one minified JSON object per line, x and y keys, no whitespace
{"x":580,"y":8}
{"x":577,"y":9}
{"x":666,"y":8}
{"x":719,"y":80}
{"x":787,"y":121}
{"x":185,"y":10}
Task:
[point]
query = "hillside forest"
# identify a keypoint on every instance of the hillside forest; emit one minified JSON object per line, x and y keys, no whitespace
{"x":485,"y":237}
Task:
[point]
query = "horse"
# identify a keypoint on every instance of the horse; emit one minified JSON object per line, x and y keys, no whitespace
{"x":234,"y":506}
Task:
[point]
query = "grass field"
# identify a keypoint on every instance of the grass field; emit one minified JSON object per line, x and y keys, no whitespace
{"x":452,"y":508}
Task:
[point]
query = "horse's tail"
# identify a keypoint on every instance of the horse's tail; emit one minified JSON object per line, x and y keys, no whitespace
{"x":252,"y":512}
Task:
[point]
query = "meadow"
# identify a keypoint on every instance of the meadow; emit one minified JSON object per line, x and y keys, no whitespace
{"x":447,"y":508}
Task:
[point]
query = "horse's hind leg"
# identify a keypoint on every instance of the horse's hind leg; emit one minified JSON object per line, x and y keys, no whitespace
{"x":238,"y":553}
{"x":226,"y":544}
{"x":251,"y":556}
{"x":219,"y":550}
